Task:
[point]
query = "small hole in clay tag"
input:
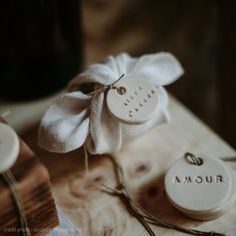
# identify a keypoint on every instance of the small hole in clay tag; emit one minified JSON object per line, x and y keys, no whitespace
{"x":133,"y":100}
{"x":203,"y":191}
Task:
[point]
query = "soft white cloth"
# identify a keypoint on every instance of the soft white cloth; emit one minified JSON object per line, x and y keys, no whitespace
{"x":76,"y":118}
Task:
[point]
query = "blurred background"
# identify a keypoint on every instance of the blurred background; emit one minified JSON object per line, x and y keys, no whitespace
{"x":46,"y":43}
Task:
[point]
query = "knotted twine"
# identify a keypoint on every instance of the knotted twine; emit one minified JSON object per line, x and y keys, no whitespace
{"x":13,"y":185}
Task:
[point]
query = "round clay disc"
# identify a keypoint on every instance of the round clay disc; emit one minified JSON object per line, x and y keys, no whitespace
{"x":135,"y":101}
{"x":230,"y":200}
{"x":219,"y":211}
{"x":198,"y":190}
{"x":9,"y":147}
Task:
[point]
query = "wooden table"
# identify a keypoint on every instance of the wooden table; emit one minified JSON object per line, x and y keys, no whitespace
{"x":144,"y":162}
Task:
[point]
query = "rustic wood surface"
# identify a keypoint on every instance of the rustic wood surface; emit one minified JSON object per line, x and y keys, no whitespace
{"x":35,"y":190}
{"x":144,"y":162}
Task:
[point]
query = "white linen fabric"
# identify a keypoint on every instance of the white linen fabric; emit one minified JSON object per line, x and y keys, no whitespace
{"x":77,"y":118}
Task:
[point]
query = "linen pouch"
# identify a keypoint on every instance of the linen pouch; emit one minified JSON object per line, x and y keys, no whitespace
{"x":77,"y":118}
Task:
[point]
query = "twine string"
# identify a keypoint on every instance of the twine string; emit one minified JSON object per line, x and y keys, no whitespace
{"x":11,"y":181}
{"x":86,"y":161}
{"x":13,"y":185}
{"x":122,"y":193}
{"x":192,"y":159}
{"x":142,"y":215}
{"x":120,"y":90}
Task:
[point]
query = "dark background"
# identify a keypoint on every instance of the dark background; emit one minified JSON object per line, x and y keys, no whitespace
{"x":42,"y":43}
{"x":201,"y":34}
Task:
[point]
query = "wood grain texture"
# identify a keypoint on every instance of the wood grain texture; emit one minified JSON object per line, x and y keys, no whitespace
{"x":144,"y":162}
{"x":35,"y":190}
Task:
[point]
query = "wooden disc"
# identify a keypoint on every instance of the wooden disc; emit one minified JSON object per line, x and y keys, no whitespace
{"x":9,"y":147}
{"x":199,"y":190}
{"x":133,"y":101}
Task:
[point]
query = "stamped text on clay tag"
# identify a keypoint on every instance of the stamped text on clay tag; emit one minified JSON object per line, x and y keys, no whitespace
{"x":135,"y":102}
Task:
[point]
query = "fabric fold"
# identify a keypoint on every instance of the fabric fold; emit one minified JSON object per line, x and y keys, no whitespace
{"x":76,"y":118}
{"x":105,"y":131}
{"x":65,"y":126}
{"x":160,"y":69}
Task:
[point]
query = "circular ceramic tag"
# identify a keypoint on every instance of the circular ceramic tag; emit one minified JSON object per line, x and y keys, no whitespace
{"x":9,"y":147}
{"x":133,"y":101}
{"x":223,"y":208}
{"x":200,"y":190}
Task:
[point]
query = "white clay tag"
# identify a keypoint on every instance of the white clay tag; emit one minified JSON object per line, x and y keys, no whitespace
{"x":134,"y":102}
{"x":9,"y":147}
{"x":200,"y":191}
